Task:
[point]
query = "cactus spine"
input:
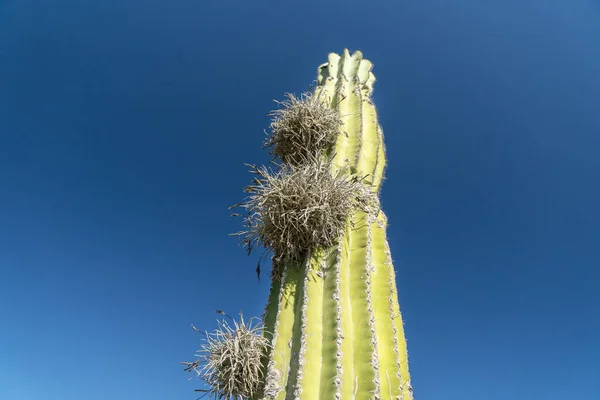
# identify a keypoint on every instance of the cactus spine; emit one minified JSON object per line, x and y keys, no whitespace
{"x":333,"y":319}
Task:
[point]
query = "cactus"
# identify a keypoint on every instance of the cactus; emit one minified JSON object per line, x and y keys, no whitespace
{"x":332,"y":317}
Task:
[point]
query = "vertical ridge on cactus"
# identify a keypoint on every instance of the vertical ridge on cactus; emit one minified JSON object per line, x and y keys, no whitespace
{"x":332,"y":318}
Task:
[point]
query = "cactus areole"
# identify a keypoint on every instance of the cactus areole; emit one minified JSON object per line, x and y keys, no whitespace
{"x":333,"y":318}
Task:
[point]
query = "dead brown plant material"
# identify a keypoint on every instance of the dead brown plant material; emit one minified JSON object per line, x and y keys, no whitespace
{"x":230,"y":360}
{"x":296,"y":209}
{"x":302,"y":127}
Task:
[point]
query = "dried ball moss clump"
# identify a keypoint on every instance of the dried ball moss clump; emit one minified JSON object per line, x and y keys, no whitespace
{"x":300,"y":208}
{"x":303,"y":127}
{"x":230,"y":360}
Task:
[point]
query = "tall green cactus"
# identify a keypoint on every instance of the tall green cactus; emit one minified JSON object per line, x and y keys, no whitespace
{"x":333,"y":319}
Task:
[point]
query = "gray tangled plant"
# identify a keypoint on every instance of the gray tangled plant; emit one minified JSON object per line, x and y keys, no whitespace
{"x":230,"y":360}
{"x":299,"y":208}
{"x":303,"y":127}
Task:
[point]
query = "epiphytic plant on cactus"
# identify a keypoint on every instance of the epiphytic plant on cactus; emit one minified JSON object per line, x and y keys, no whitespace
{"x":230,"y":359}
{"x":299,"y":208}
{"x":302,"y":128}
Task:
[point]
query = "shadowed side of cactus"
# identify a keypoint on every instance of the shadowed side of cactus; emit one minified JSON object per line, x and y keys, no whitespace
{"x":333,"y":318}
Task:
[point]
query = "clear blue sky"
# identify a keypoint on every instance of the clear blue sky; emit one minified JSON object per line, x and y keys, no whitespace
{"x":124,"y":129}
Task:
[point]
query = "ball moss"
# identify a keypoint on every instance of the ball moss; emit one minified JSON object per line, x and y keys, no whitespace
{"x":302,"y":127}
{"x":296,"y":209}
{"x":230,"y":360}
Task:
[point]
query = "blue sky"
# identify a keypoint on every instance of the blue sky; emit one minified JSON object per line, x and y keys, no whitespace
{"x":124,"y":129}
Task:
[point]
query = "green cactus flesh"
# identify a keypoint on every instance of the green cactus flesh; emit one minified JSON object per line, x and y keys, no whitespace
{"x":334,"y":320}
